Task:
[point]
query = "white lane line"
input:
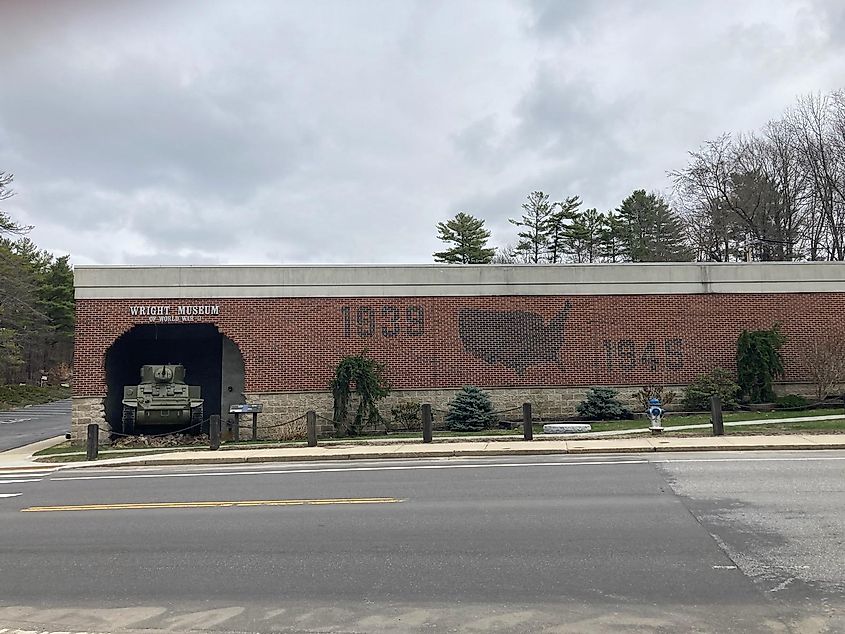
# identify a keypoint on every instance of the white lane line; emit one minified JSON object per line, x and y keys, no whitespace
{"x":347,"y":469}
{"x":19,"y":481}
{"x":782,"y":586}
{"x":9,"y":495}
{"x":429,"y":467}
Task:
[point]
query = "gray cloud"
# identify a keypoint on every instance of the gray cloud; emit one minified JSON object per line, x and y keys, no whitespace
{"x":339,"y":132}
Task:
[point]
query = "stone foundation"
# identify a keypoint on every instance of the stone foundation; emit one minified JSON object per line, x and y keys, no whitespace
{"x":547,"y":404}
{"x":283,"y":417}
{"x":84,"y":411}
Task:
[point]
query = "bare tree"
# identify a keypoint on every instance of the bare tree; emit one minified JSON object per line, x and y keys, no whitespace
{"x":746,"y":195}
{"x":704,"y":190}
{"x":816,"y":121}
{"x":824,"y":359}
{"x":7,"y":225}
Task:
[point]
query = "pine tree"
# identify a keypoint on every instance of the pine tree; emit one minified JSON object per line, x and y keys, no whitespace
{"x":534,"y":239}
{"x":651,"y":230}
{"x":470,"y":410}
{"x":560,"y":226}
{"x":584,"y":237}
{"x":469,"y":238}
{"x":610,"y":239}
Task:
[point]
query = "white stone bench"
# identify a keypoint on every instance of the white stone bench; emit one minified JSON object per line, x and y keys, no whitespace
{"x":566,"y":428}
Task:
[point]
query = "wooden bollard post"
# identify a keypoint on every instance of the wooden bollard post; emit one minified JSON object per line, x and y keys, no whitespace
{"x":425,"y":411}
{"x":92,"y":442}
{"x":214,"y":432}
{"x":716,"y":416}
{"x":311,"y":427}
{"x":527,"y":422}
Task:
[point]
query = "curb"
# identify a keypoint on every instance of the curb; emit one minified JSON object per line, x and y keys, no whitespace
{"x":35,"y":467}
{"x":442,"y":453}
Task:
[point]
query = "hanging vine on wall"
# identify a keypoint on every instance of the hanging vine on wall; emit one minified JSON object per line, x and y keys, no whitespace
{"x":758,"y":363}
{"x":366,"y":376}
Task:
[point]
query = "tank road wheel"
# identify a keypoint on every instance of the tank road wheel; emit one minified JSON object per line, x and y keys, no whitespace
{"x":128,"y":420}
{"x":196,"y":419}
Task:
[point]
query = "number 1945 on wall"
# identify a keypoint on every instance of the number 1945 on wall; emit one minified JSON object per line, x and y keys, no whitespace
{"x":627,"y":354}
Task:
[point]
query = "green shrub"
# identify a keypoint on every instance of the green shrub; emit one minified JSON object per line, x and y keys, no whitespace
{"x":717,"y":382}
{"x":406,"y":416}
{"x":601,"y":404}
{"x":791,"y":400}
{"x":12,"y":396}
{"x":470,"y":410}
{"x":367,"y":377}
{"x":758,"y":363}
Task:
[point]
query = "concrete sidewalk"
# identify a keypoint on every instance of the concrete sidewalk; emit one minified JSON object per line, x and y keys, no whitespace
{"x":22,"y":458}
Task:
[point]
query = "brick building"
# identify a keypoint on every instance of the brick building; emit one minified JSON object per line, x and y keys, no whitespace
{"x":540,"y":333}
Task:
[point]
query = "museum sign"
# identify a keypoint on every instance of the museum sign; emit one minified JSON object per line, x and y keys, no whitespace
{"x":163,"y":313}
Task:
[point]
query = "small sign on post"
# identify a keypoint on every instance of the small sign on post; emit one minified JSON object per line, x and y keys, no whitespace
{"x":246,"y":408}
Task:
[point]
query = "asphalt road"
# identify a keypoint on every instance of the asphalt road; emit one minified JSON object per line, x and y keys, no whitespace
{"x":19,"y":427}
{"x":739,"y":542}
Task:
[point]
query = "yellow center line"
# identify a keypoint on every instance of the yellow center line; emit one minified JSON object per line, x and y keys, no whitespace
{"x":212,"y":504}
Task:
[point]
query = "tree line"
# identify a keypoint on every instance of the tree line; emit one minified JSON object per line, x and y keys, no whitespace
{"x":773,"y":194}
{"x":36,"y":305}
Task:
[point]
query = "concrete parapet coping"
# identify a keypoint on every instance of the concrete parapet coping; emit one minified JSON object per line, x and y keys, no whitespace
{"x":373,"y":280}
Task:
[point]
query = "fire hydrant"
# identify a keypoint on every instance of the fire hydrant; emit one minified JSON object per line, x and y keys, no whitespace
{"x":655,"y":414}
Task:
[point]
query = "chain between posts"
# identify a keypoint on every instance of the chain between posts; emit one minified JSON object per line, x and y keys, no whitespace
{"x":169,"y":433}
{"x":290,"y":422}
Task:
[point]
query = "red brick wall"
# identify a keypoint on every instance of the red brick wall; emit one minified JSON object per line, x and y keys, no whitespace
{"x":432,"y":342}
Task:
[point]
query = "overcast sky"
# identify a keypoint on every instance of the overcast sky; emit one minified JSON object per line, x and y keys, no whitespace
{"x":341,"y":132}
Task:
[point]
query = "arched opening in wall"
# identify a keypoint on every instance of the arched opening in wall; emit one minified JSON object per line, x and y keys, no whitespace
{"x":211,"y":361}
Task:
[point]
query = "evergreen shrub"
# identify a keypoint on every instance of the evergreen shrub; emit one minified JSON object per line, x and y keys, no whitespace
{"x":601,"y":404}
{"x":365,"y":376}
{"x":791,"y":401}
{"x":470,"y":410}
{"x":758,"y":363}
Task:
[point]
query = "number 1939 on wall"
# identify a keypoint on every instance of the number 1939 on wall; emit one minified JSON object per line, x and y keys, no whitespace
{"x":387,"y":321}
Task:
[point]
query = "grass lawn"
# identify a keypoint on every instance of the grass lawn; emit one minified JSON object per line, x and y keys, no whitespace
{"x":816,"y":427}
{"x":728,"y":417}
{"x":53,"y":454}
{"x":14,"y":396}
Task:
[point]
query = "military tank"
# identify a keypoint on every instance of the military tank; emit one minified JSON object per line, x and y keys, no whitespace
{"x":162,"y":398}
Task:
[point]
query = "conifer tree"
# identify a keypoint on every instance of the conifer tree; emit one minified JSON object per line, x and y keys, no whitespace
{"x":534,"y":239}
{"x":651,"y":231}
{"x":469,"y":239}
{"x":470,"y":410}
{"x":560,"y":226}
